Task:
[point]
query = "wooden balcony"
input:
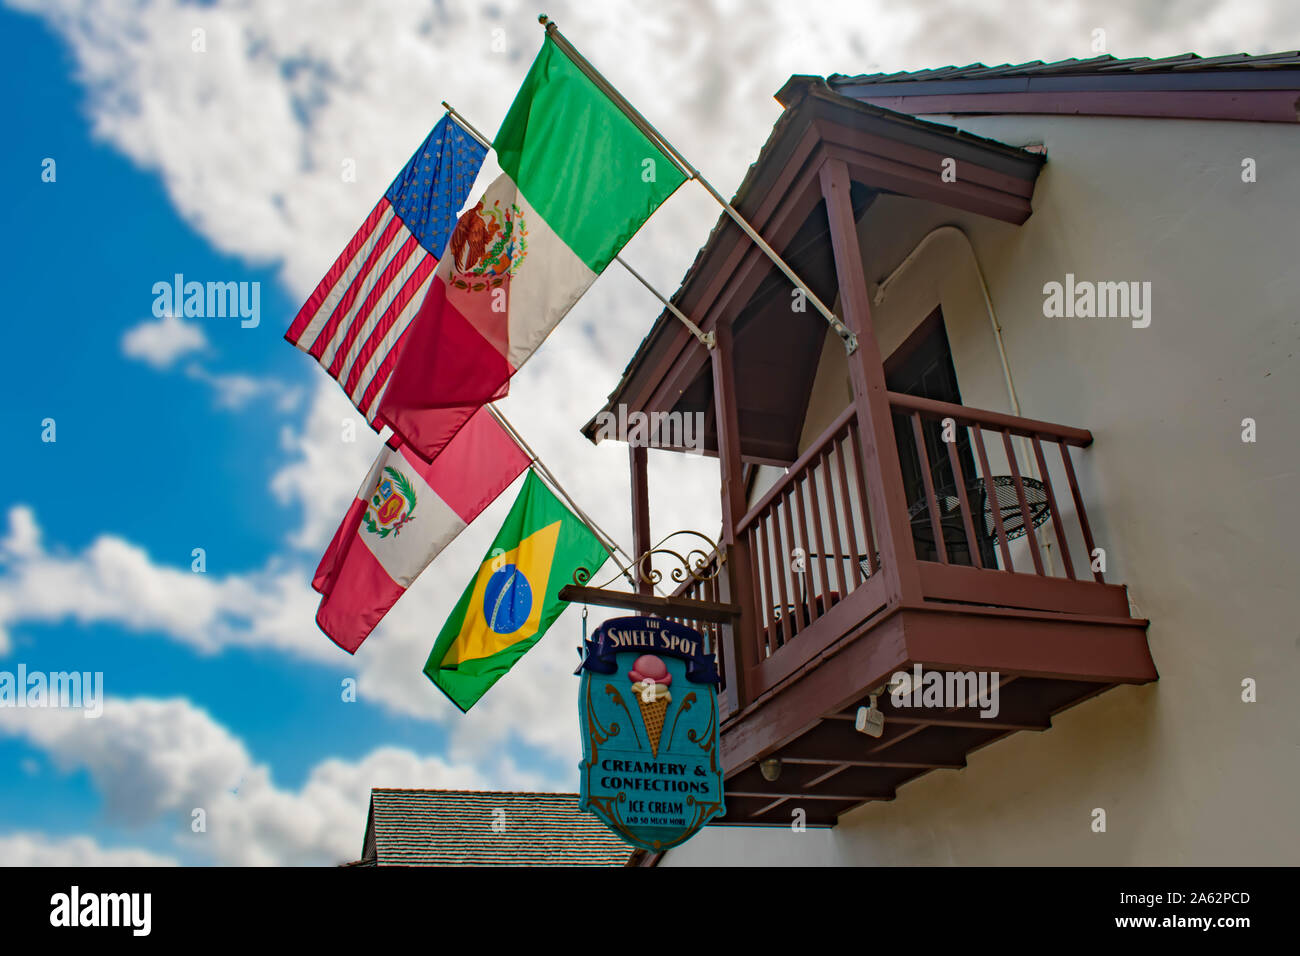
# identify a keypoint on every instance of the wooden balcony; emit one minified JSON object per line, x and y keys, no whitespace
{"x":995,"y":573}
{"x":911,"y":532}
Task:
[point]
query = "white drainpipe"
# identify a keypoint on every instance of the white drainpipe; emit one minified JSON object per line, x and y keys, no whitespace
{"x":883,"y":288}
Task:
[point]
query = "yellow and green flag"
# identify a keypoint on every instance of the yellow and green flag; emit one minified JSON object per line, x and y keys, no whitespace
{"x":514,"y":596}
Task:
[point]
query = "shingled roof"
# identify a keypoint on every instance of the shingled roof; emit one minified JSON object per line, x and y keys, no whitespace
{"x":1104,"y":65}
{"x":455,"y":828}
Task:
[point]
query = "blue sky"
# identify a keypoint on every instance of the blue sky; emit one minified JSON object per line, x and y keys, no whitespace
{"x":140,"y":453}
{"x":222,"y":164}
{"x":146,"y":455}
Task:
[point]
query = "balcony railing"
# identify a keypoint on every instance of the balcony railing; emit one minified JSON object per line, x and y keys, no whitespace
{"x":811,"y":538}
{"x":996,"y":519}
{"x":707,"y":587}
{"x":965,"y":513}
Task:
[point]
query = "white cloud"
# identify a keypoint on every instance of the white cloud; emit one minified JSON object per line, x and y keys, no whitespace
{"x":160,"y":343}
{"x":250,"y":135}
{"x":24,"y":537}
{"x":39,"y":849}
{"x":234,"y":391}
{"x":159,"y":760}
{"x":115,"y":581}
{"x":327,"y":458}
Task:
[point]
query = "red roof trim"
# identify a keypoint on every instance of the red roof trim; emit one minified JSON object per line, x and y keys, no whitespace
{"x":1261,"y":106}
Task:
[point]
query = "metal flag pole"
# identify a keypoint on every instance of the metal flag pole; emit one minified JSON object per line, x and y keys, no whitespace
{"x":605,"y":538}
{"x":581,"y":62}
{"x":707,"y":339}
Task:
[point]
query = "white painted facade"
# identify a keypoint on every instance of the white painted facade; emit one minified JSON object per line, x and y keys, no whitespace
{"x":1202,"y":527}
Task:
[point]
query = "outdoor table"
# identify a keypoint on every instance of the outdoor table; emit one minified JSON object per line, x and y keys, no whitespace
{"x":1007,"y":503}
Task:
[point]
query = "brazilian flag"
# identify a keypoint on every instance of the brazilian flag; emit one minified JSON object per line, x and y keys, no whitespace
{"x":515,"y":595}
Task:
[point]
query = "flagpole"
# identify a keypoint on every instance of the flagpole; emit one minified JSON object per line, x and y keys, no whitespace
{"x":581,"y":62}
{"x":707,"y":339}
{"x":605,"y":538}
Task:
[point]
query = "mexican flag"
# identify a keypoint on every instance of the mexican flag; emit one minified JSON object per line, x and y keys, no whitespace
{"x":514,"y":596}
{"x":578,"y":181}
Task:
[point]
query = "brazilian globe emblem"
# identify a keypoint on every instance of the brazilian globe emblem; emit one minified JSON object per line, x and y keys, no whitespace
{"x":507,"y":599}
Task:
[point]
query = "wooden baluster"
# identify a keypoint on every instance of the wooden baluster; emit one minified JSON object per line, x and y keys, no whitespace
{"x":766,"y":614}
{"x":923,"y":457}
{"x":1024,"y":505}
{"x":1078,"y":508}
{"x":756,"y":581}
{"x":809,"y":581}
{"x":798,"y":588}
{"x":972,"y":542}
{"x":840,"y":581}
{"x":781,"y":553}
{"x":1057,"y":524}
{"x":850,"y":529}
{"x":814,"y":467}
{"x":991,"y":496}
{"x":873,"y":561}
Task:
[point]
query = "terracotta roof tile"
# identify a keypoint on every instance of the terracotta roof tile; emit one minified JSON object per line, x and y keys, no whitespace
{"x":455,"y":828}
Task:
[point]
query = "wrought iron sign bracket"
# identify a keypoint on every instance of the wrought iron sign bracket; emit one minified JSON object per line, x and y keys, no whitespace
{"x":696,"y":564}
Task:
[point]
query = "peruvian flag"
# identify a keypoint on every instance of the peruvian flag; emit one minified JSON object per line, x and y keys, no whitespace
{"x":405,"y":513}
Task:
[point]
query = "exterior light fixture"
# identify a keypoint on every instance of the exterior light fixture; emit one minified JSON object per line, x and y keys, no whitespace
{"x":870,"y":720}
{"x":770,"y":768}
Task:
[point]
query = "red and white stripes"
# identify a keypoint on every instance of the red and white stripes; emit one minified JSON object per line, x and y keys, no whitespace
{"x":353,"y":322}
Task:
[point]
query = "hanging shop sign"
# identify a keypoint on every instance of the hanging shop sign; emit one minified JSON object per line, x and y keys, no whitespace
{"x":648,"y":709}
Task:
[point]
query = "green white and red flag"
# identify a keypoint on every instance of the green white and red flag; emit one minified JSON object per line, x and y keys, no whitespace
{"x":406,"y":511}
{"x":579,"y":179}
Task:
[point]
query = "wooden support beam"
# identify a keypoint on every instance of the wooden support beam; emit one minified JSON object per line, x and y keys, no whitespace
{"x":838,"y":797}
{"x":688,"y":608}
{"x":870,"y":397}
{"x":640,"y":514}
{"x":1014,"y":714}
{"x":771,"y":806}
{"x":834,"y":761}
{"x":965,"y":718}
{"x":738,"y":634}
{"x":822,"y":778}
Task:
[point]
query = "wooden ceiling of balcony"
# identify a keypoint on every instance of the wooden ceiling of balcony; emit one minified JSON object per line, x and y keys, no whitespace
{"x":832,"y":768}
{"x":777,"y":349}
{"x":731,"y":281}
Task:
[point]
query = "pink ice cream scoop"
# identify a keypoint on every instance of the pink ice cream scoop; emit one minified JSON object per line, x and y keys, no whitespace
{"x":650,"y":669}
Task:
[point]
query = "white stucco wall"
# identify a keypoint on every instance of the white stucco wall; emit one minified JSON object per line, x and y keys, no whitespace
{"x":1203,"y":528}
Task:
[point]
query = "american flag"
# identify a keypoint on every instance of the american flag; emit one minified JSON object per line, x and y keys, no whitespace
{"x":354,"y":322}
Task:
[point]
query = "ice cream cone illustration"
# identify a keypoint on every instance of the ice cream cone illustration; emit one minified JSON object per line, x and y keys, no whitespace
{"x":650,"y":680}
